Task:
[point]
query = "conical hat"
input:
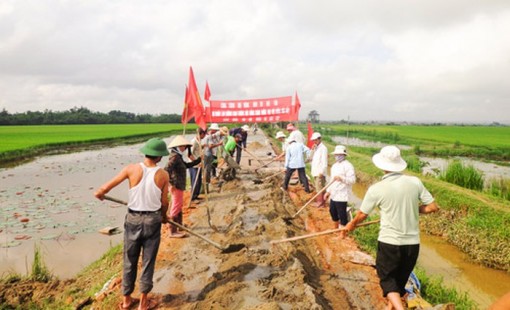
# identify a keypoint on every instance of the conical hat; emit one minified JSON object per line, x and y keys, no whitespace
{"x":179,"y":141}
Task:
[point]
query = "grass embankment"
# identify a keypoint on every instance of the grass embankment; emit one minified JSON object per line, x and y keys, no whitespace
{"x":41,"y":290}
{"x":21,"y":143}
{"x":478,"y":224}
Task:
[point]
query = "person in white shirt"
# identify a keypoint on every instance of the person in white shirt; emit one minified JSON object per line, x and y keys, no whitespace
{"x":339,"y":193}
{"x":319,"y":166}
{"x":295,"y":134}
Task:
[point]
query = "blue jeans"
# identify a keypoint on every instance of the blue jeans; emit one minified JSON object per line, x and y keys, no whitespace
{"x":141,"y":231}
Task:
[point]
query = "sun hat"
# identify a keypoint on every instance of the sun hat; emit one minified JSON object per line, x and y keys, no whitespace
{"x":214,"y":126}
{"x":224,"y":130}
{"x":339,"y":149}
{"x":179,"y":141}
{"x":245,"y":127}
{"x":389,"y":159}
{"x":154,"y":147}
{"x":280,"y":134}
{"x":290,"y":127}
{"x":315,"y":136}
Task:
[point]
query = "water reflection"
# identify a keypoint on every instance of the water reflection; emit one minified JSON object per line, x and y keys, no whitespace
{"x":54,"y":196}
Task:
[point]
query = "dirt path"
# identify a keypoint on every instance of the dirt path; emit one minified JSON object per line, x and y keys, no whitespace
{"x":311,"y":274}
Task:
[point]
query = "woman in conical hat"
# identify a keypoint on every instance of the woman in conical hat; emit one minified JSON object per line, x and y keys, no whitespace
{"x":176,"y":169}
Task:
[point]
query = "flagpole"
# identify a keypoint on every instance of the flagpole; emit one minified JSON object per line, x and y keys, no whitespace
{"x":185,"y":111}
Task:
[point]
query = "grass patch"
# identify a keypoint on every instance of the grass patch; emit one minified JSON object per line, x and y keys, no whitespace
{"x":435,"y":292}
{"x":463,"y":175}
{"x":40,"y":272}
{"x":499,"y":187}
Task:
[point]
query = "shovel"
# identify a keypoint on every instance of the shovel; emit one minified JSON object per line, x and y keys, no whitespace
{"x":321,"y":233}
{"x":227,"y":249}
{"x":311,"y":199}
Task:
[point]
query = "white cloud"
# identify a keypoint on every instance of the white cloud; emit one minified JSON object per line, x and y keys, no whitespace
{"x":368,"y":60}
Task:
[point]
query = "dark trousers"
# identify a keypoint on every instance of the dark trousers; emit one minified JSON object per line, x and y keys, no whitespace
{"x":338,"y":211}
{"x":210,"y":167}
{"x":302,"y":178}
{"x":194,"y":173}
{"x":142,"y":234}
{"x":239,"y":150}
{"x":394,"y":264}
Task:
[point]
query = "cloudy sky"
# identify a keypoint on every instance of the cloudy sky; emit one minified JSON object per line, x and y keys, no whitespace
{"x":424,"y":61}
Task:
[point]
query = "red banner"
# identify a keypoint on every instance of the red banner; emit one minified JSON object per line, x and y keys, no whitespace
{"x":252,"y":110}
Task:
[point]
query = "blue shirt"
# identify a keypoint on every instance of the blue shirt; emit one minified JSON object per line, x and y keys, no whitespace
{"x":295,"y":155}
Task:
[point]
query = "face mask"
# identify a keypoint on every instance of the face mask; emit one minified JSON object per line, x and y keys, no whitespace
{"x":339,"y":157}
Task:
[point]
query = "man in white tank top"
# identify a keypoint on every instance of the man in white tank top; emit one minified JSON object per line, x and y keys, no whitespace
{"x":147,"y":209}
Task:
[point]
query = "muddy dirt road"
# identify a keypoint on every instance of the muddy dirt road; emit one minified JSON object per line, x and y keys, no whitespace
{"x":319,"y":273}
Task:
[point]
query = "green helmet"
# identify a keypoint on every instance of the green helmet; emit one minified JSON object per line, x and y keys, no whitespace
{"x":154,"y":147}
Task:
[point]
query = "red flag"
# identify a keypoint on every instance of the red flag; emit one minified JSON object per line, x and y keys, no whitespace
{"x":207,"y":94}
{"x":309,"y":141}
{"x":187,"y":112}
{"x":196,"y":102}
{"x":297,"y":106}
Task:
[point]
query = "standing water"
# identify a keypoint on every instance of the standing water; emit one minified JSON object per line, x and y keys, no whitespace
{"x":50,"y":203}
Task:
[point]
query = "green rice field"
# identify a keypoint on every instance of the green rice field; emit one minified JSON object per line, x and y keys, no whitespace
{"x":487,"y":136}
{"x":25,"y":137}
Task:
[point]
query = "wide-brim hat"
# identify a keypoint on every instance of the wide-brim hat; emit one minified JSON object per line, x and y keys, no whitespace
{"x":224,"y":130}
{"x":315,"y":136}
{"x":245,"y":127}
{"x":339,"y":150}
{"x":389,"y":159}
{"x":214,"y":126}
{"x":280,"y":134}
{"x":154,"y":147}
{"x":179,"y":141}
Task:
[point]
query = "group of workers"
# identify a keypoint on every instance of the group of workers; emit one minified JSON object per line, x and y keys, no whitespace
{"x":399,"y":198}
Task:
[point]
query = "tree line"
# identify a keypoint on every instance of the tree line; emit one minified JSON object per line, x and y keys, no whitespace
{"x":83,"y":115}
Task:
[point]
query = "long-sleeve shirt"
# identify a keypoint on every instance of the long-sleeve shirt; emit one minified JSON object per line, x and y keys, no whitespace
{"x":320,"y":160}
{"x":295,"y":155}
{"x":297,"y":136}
{"x":176,"y":168}
{"x":342,"y":190}
{"x":209,"y":140}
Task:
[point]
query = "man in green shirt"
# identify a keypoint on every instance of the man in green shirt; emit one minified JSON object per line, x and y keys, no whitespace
{"x":400,"y":199}
{"x":232,"y":143}
{"x":230,"y":147}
